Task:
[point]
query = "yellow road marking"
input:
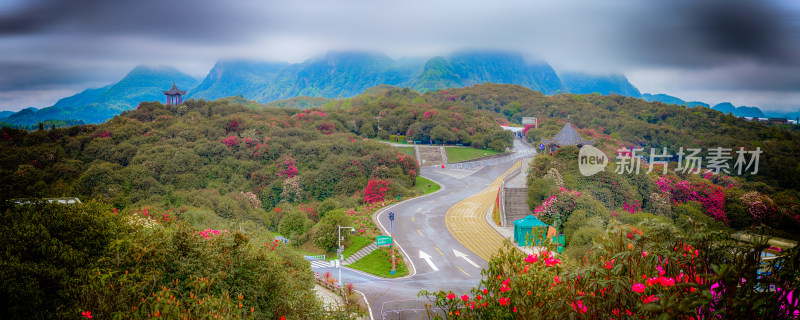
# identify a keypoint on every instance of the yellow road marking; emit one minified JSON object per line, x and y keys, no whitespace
{"x":466,"y":221}
{"x":459,"y":269}
{"x":437,"y":249}
{"x":420,"y":233}
{"x":412,"y":219}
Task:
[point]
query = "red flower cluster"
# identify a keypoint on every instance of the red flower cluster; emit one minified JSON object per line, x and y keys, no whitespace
{"x":231,"y":142}
{"x":376,"y":190}
{"x":287,"y":167}
{"x":234,"y":125}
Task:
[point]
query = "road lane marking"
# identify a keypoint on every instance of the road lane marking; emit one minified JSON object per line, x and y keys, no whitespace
{"x":464,"y":256}
{"x":437,"y":249}
{"x":459,"y":269}
{"x":471,"y":229}
{"x":419,"y":209}
{"x":412,"y":219}
{"x":420,"y":233}
{"x":427,"y":258}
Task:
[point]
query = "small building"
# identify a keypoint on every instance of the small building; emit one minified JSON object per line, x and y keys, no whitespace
{"x":174,"y":95}
{"x":567,"y":136}
{"x":523,"y":228}
{"x":534,"y":121}
{"x":48,"y":200}
{"x":774,"y":120}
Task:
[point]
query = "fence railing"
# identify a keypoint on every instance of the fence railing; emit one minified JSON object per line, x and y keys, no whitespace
{"x":523,"y":164}
{"x":352,"y":302}
{"x":489,"y":162}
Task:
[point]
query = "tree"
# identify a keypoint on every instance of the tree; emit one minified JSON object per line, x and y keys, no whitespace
{"x":367,"y":130}
{"x":443,"y":135}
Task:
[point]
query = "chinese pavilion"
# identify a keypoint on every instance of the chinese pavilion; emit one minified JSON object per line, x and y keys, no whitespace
{"x":174,"y":96}
{"x":567,"y":136}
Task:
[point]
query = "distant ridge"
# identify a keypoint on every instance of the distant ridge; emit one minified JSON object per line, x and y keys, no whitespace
{"x":143,"y":83}
{"x":331,"y":75}
{"x":605,"y":84}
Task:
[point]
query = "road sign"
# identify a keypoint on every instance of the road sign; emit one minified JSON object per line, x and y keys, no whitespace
{"x":391,"y":216}
{"x":383,"y":240}
{"x":541,"y":146}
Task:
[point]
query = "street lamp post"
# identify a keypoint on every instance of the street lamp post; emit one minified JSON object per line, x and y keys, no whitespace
{"x":340,"y":250}
{"x":391,"y":234}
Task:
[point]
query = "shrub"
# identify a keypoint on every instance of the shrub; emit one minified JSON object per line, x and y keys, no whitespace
{"x":293,"y":225}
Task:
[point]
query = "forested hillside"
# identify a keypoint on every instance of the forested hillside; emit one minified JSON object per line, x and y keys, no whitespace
{"x":409,"y":115}
{"x":638,"y":123}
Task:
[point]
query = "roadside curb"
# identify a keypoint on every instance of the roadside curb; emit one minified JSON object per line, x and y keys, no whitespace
{"x":412,"y":270}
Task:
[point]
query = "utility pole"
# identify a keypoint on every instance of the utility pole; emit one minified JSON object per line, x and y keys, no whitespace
{"x":340,"y":250}
{"x":391,"y":234}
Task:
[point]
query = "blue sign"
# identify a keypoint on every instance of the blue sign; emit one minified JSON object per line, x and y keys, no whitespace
{"x":541,"y":146}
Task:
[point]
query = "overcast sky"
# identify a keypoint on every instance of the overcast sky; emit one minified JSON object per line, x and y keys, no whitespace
{"x":743,"y":51}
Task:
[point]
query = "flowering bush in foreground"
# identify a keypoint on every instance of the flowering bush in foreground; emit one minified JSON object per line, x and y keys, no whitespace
{"x":644,"y":272}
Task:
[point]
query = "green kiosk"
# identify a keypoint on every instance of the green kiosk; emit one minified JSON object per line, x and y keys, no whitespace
{"x":523,"y":228}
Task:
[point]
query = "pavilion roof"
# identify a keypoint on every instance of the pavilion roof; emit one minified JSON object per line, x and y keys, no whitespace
{"x":568,"y":136}
{"x":174,"y":91}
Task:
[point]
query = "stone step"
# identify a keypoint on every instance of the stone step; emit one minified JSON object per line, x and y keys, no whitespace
{"x":361,"y":253}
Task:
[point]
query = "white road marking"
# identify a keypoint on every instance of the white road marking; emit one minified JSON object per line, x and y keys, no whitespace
{"x":461,"y":255}
{"x":427,"y":258}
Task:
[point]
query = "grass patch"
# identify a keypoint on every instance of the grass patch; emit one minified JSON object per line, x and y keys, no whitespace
{"x":356,"y":243}
{"x":408,"y":150}
{"x":379,"y":263}
{"x":424,"y":186}
{"x":455,"y":154}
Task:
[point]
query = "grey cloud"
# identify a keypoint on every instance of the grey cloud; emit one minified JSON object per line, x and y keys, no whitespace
{"x":737,"y":44}
{"x":179,"y":20}
{"x":40,"y":76}
{"x":704,"y":33}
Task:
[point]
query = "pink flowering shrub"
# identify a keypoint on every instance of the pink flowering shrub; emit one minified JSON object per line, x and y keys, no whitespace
{"x":286,"y":166}
{"x":234,"y":125}
{"x":231,"y":142}
{"x":562,"y":204}
{"x":376,"y":190}
{"x":105,"y":134}
{"x":326,"y":127}
{"x":760,"y":207}
{"x":251,"y":199}
{"x":710,"y":196}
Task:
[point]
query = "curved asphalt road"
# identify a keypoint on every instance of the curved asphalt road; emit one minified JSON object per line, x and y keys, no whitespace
{"x":420,"y":231}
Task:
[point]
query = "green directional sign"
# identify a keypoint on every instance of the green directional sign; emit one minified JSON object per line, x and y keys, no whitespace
{"x":383,"y":240}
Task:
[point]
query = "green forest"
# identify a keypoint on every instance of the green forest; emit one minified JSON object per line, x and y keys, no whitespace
{"x":181,"y":204}
{"x":173,"y":194}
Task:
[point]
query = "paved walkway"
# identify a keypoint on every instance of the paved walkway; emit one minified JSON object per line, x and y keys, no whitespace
{"x":330,"y":300}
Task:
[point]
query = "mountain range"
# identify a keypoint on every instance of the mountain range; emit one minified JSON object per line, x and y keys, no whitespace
{"x":724,"y":107}
{"x":332,"y":75}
